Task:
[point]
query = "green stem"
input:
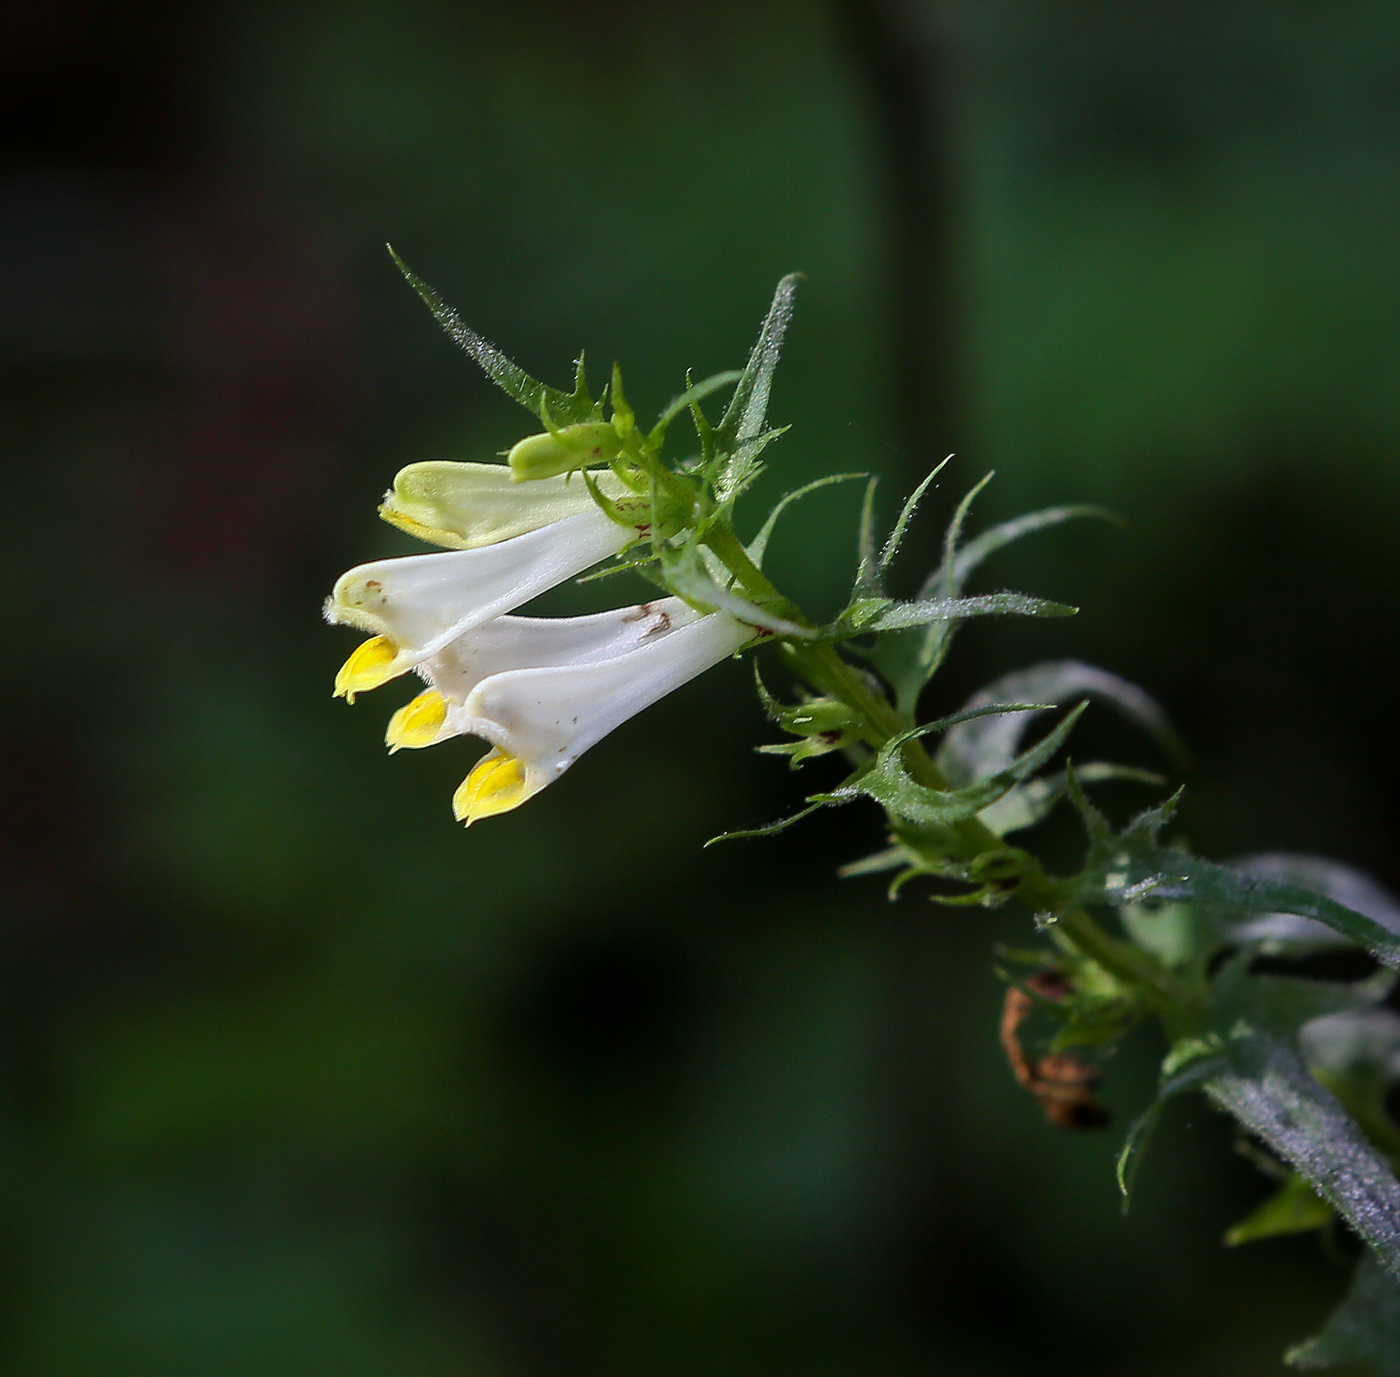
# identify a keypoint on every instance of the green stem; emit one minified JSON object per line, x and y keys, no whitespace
{"x":822,"y":665}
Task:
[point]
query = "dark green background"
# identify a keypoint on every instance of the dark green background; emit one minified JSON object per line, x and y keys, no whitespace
{"x":297,"y":1078}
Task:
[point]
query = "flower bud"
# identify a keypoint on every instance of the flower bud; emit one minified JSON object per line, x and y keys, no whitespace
{"x":562,"y":451}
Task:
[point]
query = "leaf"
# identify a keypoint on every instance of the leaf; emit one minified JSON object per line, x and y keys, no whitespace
{"x":740,"y":436}
{"x":748,"y":407}
{"x":948,"y":583}
{"x":901,"y":615}
{"x":1268,"y":1089}
{"x":982,"y":747}
{"x":513,"y":380}
{"x":773,"y":828}
{"x":1134,"y":1147}
{"x":995,"y":537}
{"x":1295,"y":1208}
{"x":1281,"y":1004}
{"x":1337,"y":1045}
{"x":691,"y":397}
{"x":1356,"y":1055}
{"x":906,"y":515}
{"x":889,"y":859}
{"x":908,"y":661}
{"x":868,"y":583}
{"x":1031,"y":802}
{"x":1142,"y":867}
{"x":759,"y":546}
{"x":1342,"y":883}
{"x":889,"y":784}
{"x":1364,"y":1328}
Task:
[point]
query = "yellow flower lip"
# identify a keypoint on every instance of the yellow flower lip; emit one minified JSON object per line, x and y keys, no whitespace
{"x":370,"y":664}
{"x":416,"y":724}
{"x":495,"y":785}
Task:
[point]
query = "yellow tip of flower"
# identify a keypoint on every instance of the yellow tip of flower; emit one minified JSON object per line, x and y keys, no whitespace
{"x":495,"y":785}
{"x":417,"y":723}
{"x":370,"y":666}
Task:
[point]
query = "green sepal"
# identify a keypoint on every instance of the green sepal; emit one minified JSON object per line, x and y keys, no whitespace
{"x":633,"y":512}
{"x":1295,"y":1208}
{"x":688,"y":575}
{"x":824,"y":724}
{"x":993,"y":876}
{"x":646,"y":567}
{"x":513,"y":380}
{"x":623,"y":417}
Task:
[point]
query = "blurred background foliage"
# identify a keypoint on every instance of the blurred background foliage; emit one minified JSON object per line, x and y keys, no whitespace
{"x":297,"y":1078}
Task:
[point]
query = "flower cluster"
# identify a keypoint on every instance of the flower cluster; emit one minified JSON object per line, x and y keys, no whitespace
{"x":540,"y":690}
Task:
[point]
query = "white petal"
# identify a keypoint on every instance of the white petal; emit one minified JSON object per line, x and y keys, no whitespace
{"x":420,"y":602}
{"x":508,"y":643}
{"x":547,"y":717}
{"x":464,"y":506}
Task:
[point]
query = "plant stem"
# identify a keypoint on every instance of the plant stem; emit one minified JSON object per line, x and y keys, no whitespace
{"x":822,"y":665}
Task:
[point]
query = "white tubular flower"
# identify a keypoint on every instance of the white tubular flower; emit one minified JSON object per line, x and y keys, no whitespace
{"x":465,"y":506}
{"x":507,"y":643}
{"x":413,"y":606}
{"x":540,"y":719}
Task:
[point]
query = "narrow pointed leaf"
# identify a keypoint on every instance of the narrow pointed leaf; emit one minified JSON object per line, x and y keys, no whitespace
{"x":899,"y":616}
{"x":889,"y":783}
{"x":1134,"y":1147}
{"x":1294,"y":1208}
{"x":896,"y":536}
{"x":1159,"y":872}
{"x":1032,"y":802}
{"x":748,"y":408}
{"x":890,"y":859}
{"x":1343,"y":883}
{"x":908,"y":661}
{"x":773,"y":828}
{"x":513,"y":380}
{"x":759,"y":546}
{"x":868,"y":583}
{"x":995,"y":537}
{"x":985,"y":747}
{"x":691,"y":397}
{"x":1268,"y":1089}
{"x":954,"y":534}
